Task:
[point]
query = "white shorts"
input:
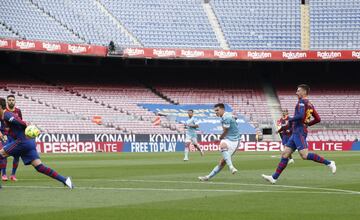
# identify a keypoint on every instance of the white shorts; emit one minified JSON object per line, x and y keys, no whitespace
{"x":190,"y":139}
{"x":232,"y":145}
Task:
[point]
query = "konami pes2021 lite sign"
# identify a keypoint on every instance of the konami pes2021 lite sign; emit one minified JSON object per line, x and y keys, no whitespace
{"x":91,"y":143}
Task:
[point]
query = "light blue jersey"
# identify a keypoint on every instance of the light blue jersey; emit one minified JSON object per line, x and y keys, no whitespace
{"x":191,"y":132}
{"x":229,"y":121}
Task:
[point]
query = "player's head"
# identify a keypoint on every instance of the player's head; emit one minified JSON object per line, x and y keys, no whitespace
{"x":285,"y":112}
{"x":219,"y":109}
{"x":302,"y":91}
{"x":2,"y":106}
{"x":11,"y":101}
{"x":190,"y":113}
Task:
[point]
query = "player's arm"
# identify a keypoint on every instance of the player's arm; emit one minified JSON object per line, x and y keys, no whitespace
{"x":299,"y":115}
{"x":316,"y":119}
{"x":20,"y":115}
{"x":13,"y":119}
{"x":282,"y":128}
{"x":226,"y":126}
{"x":225,"y":131}
{"x":195,"y":125}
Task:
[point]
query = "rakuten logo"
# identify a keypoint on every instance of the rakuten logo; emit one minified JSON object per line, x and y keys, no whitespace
{"x":225,"y":54}
{"x":259,"y":55}
{"x":192,"y":53}
{"x":51,"y":47}
{"x":328,"y":55}
{"x":164,"y":53}
{"x":294,"y":55}
{"x":25,"y":44}
{"x":353,"y":54}
{"x":77,"y":49}
{"x":134,"y":52}
{"x":4,"y":43}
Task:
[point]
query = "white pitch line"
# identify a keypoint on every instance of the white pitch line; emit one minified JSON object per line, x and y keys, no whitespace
{"x":178,"y":190}
{"x":221,"y":183}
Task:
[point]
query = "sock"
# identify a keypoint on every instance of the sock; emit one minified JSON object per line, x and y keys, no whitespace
{"x":186,"y":151}
{"x":3,"y":165}
{"x":197,"y":147}
{"x":215,"y":171}
{"x":317,"y":158}
{"x":50,"y":172}
{"x":15,"y":166}
{"x":227,"y":157}
{"x":282,"y":165}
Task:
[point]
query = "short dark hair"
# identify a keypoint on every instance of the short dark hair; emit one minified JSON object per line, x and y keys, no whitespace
{"x":305,"y":87}
{"x":10,"y":96}
{"x":190,"y":110}
{"x":220,"y":105}
{"x":2,"y":103}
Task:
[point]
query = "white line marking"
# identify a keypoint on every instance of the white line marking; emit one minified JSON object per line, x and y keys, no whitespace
{"x":218,"y":183}
{"x":178,"y":190}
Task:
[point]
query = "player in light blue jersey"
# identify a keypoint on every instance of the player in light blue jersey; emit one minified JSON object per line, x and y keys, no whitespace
{"x":192,"y":125}
{"x":229,"y":141}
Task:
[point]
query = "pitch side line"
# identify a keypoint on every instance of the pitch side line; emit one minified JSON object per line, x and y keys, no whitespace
{"x":178,"y":190}
{"x":219,"y":183}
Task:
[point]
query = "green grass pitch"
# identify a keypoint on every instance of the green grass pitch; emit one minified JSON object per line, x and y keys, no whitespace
{"x":162,"y":186}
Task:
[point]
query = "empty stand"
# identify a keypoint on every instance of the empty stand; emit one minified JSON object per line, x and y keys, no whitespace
{"x":334,"y":24}
{"x":260,"y":24}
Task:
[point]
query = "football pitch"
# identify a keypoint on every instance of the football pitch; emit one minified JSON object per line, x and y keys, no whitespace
{"x":162,"y":186}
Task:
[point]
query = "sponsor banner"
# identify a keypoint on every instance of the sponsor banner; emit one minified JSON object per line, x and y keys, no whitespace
{"x":175,"y":145}
{"x":53,"y":47}
{"x":77,"y":49}
{"x":79,"y":147}
{"x":293,"y":55}
{"x":128,"y":138}
{"x":98,"y":51}
{"x":164,"y":53}
{"x":26,"y":45}
{"x":91,"y":143}
{"x":355,"y":54}
{"x":259,"y":55}
{"x":137,"y":52}
{"x":330,"y":55}
{"x":194,"y":54}
{"x":277,"y":146}
{"x":171,"y":53}
{"x":226,"y":54}
{"x":242,"y":54}
{"x":7,"y":44}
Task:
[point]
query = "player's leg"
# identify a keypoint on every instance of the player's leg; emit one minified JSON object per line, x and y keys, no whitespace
{"x":14,"y":168}
{"x":187,"y":149}
{"x":29,"y":155}
{"x":197,"y":146}
{"x":285,"y":140}
{"x":3,"y":155}
{"x":227,"y":151}
{"x":3,"y":164}
{"x":41,"y":168}
{"x":215,"y":171}
{"x":289,"y":149}
{"x":305,"y":155}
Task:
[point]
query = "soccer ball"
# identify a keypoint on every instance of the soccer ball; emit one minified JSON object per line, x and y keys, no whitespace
{"x":32,"y":131}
